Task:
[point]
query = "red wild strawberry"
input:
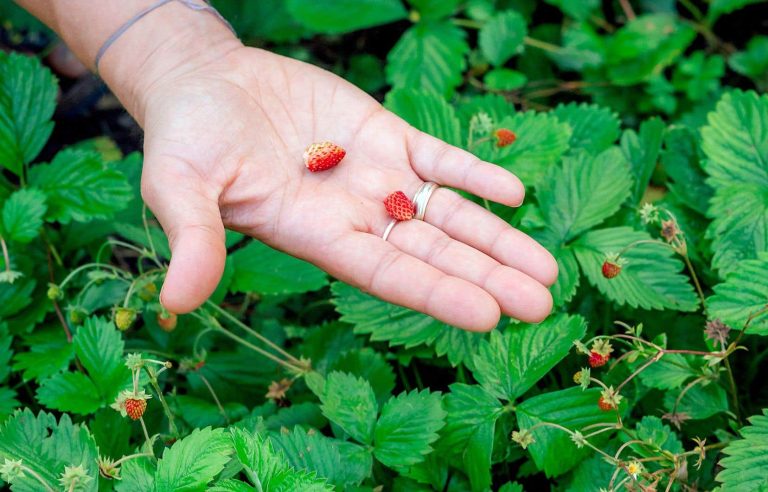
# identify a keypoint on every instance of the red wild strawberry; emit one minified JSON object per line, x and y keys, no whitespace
{"x":611,"y":269}
{"x":597,"y":359}
{"x":135,"y":407}
{"x":504,"y":137}
{"x":604,"y":405}
{"x":323,"y":155}
{"x":167,"y":321}
{"x":399,"y":206}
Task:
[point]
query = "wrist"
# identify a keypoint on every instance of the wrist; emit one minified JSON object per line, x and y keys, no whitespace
{"x":168,"y":42}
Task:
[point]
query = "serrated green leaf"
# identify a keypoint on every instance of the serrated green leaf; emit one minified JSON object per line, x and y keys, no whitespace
{"x":265,"y":19}
{"x":341,"y":16}
{"x":583,"y":192}
{"x":541,"y":140}
{"x":573,"y":408}
{"x":15,"y":297}
{"x":27,"y":100}
{"x":23,"y":215}
{"x":314,"y":452}
{"x":434,"y":9}
{"x":649,"y":280}
{"x":371,"y":366}
{"x":350,"y":403}
{"x":736,"y":145}
{"x":510,"y":363}
{"x":582,"y":47}
{"x":742,"y":296}
{"x":720,"y":7}
{"x":259,"y":268}
{"x":699,"y":402}
{"x":99,"y":346}
{"x":111,"y":431}
{"x":471,"y":414}
{"x":407,"y":426}
{"x":681,"y":160}
{"x":5,"y":352}
{"x":46,"y":447}
{"x":752,"y":62}
{"x":504,"y":79}
{"x":401,"y":326}
{"x":669,"y":373}
{"x":594,"y":128}
{"x":137,"y":475}
{"x":80,"y":187}
{"x":70,"y":392}
{"x":269,"y":469}
{"x":47,"y":352}
{"x":427,"y":111}
{"x":502,"y":36}
{"x":8,"y":402}
{"x":653,"y":431}
{"x":230,"y":485}
{"x":642,"y":152}
{"x":747,"y":458}
{"x":191,"y":463}
{"x":645,"y":46}
{"x":430,"y":57}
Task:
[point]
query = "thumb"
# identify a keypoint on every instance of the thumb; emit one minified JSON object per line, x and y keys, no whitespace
{"x":191,"y":219}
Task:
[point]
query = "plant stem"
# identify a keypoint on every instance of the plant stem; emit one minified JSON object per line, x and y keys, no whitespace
{"x":695,"y":279}
{"x":640,"y":369}
{"x":37,"y":477}
{"x":627,"y":8}
{"x":253,"y":332}
{"x":257,"y":349}
{"x":215,"y":398}
{"x":146,"y":436}
{"x":6,"y":256}
{"x":171,"y":419}
{"x":542,"y":45}
{"x":468,"y":23}
{"x":732,"y":389}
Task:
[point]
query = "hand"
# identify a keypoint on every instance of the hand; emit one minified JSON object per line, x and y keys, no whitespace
{"x":223,"y":148}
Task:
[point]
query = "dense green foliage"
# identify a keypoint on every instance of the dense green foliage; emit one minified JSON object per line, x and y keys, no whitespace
{"x":642,"y":136}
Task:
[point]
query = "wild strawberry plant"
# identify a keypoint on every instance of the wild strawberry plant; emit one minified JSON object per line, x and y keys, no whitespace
{"x":641,"y":133}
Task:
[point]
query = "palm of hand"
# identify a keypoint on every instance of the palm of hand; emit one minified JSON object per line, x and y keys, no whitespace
{"x":224,"y":148}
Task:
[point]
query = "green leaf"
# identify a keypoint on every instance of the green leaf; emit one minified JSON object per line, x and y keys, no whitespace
{"x":314,"y":452}
{"x":350,"y":403}
{"x":747,"y":458}
{"x":191,"y":463}
{"x":742,"y":296}
{"x":502,"y":36}
{"x":594,"y":128}
{"x":752,"y":61}
{"x":699,"y":402}
{"x":653,"y":431}
{"x":269,"y":468}
{"x":427,"y":111}
{"x":645,"y":46}
{"x":573,"y":408}
{"x":27,"y":100}
{"x":371,"y":366}
{"x":642,"y":152}
{"x":5,"y":352}
{"x":15,"y":297}
{"x":99,"y":346}
{"x":504,"y":79}
{"x":681,"y":160}
{"x":583,"y":192}
{"x":699,"y":75}
{"x":46,"y":447}
{"x":435,"y":9}
{"x":578,"y":9}
{"x":650,"y":279}
{"x":265,"y":19}
{"x":510,"y":363}
{"x":430,"y":57}
{"x":261,"y":269}
{"x":138,"y":475}
{"x":471,"y":414}
{"x":720,"y":7}
{"x":47,"y":352}
{"x":401,"y":326}
{"x":669,"y":373}
{"x":541,"y":140}
{"x":408,"y":425}
{"x":582,"y":48}
{"x":736,"y":145}
{"x":70,"y":392}
{"x":341,"y":16}
{"x":23,"y":215}
{"x":80,"y":187}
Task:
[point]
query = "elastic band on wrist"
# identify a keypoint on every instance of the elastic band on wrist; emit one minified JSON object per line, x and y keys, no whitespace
{"x":205,"y":7}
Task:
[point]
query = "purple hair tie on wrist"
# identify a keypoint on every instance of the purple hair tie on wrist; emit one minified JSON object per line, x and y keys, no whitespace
{"x":204,"y":7}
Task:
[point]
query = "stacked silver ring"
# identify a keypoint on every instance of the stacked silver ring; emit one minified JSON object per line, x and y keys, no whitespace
{"x":420,"y":201}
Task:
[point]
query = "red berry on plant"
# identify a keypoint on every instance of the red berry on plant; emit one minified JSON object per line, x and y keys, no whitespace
{"x":322,"y":156}
{"x":611,"y":269}
{"x":597,"y":359}
{"x":135,"y":407}
{"x":399,"y":206}
{"x":605,"y":405}
{"x":167,"y":321}
{"x":504,"y":137}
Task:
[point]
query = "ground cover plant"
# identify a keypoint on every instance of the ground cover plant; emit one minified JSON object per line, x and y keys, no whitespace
{"x":641,"y":131}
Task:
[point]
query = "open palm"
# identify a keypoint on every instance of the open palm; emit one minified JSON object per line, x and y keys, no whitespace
{"x":224,"y":149}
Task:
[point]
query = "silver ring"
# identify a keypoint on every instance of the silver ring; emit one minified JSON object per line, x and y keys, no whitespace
{"x":421,"y":198}
{"x":388,"y":229}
